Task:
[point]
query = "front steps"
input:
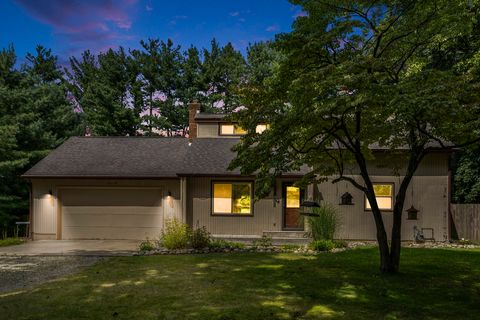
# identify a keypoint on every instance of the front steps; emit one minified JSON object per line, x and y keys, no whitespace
{"x":288,"y":237}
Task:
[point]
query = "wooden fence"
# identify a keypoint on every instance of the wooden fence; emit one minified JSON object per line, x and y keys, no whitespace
{"x":466,"y":218}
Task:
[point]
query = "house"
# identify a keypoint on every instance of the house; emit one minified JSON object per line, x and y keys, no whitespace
{"x":127,"y":188}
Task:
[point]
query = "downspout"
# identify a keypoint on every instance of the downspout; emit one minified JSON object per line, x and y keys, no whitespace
{"x":30,"y":210}
{"x":449,"y":199}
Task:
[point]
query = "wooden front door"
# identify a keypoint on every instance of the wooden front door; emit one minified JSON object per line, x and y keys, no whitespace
{"x":292,"y":198}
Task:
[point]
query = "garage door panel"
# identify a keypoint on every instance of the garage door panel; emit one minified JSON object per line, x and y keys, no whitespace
{"x":129,"y":233}
{"x":112,"y":220}
{"x":112,"y":197}
{"x":112,"y":210}
{"x":111,"y":213}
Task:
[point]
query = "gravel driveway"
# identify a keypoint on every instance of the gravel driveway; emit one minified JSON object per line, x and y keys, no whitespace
{"x":22,"y":272}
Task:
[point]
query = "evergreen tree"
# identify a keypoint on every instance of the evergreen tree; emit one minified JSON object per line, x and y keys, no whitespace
{"x":35,"y":117}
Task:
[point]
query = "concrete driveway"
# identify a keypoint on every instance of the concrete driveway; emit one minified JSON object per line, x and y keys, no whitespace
{"x":73,"y":248}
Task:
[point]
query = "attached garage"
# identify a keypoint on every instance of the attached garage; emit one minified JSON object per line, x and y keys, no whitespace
{"x":110,"y":213}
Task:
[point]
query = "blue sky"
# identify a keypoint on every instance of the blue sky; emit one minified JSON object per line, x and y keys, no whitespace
{"x":69,"y":27}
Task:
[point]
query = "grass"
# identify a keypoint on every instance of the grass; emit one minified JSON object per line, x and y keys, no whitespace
{"x":10,"y":242}
{"x":433,"y":284}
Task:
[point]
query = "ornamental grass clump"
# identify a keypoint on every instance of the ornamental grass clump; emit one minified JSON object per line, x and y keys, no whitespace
{"x":323,"y":222}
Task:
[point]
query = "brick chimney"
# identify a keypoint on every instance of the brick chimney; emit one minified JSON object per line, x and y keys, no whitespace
{"x":193,"y":109}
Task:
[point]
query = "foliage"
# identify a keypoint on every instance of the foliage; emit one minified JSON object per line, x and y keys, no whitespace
{"x":326,"y":245}
{"x":199,"y":238}
{"x":263,"y":242}
{"x":35,"y":117}
{"x":146,"y":245}
{"x":322,"y":245}
{"x":323,"y":222}
{"x":10,"y":241}
{"x":224,"y":244}
{"x":175,"y":235}
{"x":466,"y":182}
{"x":290,"y":247}
{"x":395,"y":74}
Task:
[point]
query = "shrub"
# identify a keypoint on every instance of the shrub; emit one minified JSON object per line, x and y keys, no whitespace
{"x":223,"y":244}
{"x":322,"y":245}
{"x":340,"y":243}
{"x":263,"y":242}
{"x":200,"y":238}
{"x":175,"y":235}
{"x":323,"y":222}
{"x":146,"y":245}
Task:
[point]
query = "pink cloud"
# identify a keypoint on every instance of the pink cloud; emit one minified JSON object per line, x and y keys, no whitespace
{"x":87,"y":24}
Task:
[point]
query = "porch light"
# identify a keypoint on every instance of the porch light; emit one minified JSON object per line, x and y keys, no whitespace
{"x":412,"y":213}
{"x":50,"y":192}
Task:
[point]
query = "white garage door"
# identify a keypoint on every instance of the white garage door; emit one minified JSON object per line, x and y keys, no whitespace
{"x":99,"y":213}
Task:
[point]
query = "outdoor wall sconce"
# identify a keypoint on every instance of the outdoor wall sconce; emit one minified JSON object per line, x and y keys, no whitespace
{"x":169,"y":193}
{"x":50,"y":192}
{"x":412,"y":213}
{"x":346,"y":199}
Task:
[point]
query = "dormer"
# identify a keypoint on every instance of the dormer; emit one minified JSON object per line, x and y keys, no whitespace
{"x":207,"y":125}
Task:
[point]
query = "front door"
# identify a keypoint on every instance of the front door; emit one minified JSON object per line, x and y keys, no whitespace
{"x":292,"y":198}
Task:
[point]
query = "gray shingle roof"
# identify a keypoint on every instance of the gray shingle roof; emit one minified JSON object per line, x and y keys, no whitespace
{"x":136,"y":157}
{"x":209,"y":116}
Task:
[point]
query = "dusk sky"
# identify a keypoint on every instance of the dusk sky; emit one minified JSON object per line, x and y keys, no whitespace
{"x":70,"y":27}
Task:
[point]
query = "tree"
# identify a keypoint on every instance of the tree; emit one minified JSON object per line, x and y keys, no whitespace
{"x":35,"y":117}
{"x":101,"y":86}
{"x":262,"y":60}
{"x":358,"y":74}
{"x":223,"y":70}
{"x":466,"y":182}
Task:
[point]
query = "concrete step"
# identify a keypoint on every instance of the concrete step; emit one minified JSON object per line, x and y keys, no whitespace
{"x":285,"y":234}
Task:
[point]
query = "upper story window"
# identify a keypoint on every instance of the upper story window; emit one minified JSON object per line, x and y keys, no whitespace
{"x":230,"y":129}
{"x":384,"y":195}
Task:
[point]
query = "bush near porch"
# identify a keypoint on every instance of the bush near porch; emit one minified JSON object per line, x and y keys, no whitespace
{"x":433,"y":284}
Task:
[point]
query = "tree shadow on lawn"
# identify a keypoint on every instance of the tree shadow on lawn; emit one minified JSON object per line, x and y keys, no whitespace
{"x":433,"y":284}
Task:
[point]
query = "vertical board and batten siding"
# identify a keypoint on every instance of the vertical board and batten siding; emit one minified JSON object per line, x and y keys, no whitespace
{"x":429,"y":196}
{"x":266,"y":215}
{"x":46,"y":207}
{"x":466,"y":218}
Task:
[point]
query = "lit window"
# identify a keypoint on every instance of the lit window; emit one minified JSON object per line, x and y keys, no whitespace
{"x":384,"y":195}
{"x":232,"y":198}
{"x":231,"y":129}
{"x":293,"y":197}
{"x":260,"y":128}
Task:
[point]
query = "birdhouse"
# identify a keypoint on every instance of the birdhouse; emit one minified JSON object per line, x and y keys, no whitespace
{"x":346,"y":199}
{"x":412,"y":213}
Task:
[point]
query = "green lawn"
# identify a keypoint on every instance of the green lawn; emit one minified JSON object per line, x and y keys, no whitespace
{"x":434,"y":284}
{"x":10,"y":242}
